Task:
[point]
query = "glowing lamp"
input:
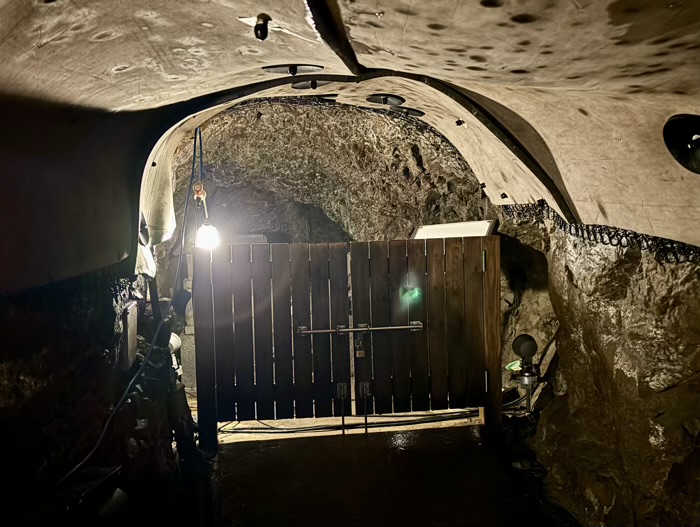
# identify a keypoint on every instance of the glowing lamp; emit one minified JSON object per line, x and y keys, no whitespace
{"x":207,"y":236}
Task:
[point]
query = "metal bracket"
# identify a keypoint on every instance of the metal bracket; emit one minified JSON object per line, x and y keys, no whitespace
{"x":414,"y":325}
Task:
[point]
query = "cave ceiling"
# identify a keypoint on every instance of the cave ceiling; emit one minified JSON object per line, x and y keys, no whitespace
{"x":564,"y":101}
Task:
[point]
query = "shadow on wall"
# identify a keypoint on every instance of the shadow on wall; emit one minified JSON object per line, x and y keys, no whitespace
{"x":525,"y":302}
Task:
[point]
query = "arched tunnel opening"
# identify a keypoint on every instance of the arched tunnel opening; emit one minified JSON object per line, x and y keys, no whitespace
{"x":344,"y":174}
{"x":330,"y":360}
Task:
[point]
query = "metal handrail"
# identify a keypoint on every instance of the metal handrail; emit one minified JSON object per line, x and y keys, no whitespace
{"x":414,"y":325}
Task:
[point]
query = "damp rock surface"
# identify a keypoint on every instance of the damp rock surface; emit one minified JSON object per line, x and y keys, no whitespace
{"x":376,"y":174}
{"x":621,"y":442}
{"x":301,"y":170}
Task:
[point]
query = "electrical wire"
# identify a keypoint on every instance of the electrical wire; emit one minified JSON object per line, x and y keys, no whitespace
{"x":515,"y":402}
{"x":415,"y":419}
{"x":142,"y":367}
{"x":332,"y":428}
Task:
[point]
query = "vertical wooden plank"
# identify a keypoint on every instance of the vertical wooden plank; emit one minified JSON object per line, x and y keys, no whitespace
{"x":474,"y":322}
{"x":492,"y":329}
{"x":223,"y":333}
{"x":454,"y":311}
{"x":202,"y":303}
{"x":320,"y":319}
{"x":400,"y":347}
{"x":262,"y":322}
{"x":243,"y":332}
{"x":282,"y":320}
{"x":301,"y":316}
{"x":338,"y":271}
{"x":437,"y":352}
{"x":417,"y":282}
{"x":381,"y":316}
{"x":359,"y":275}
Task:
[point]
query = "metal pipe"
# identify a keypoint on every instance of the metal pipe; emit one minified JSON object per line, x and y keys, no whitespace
{"x":365,"y":412}
{"x":342,"y":413}
{"x":413,"y":326}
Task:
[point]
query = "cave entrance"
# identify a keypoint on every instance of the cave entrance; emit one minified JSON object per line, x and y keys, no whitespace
{"x":302,"y":330}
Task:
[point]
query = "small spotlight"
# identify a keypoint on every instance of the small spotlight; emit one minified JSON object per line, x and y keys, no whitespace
{"x":260,"y":29}
{"x":207,"y":236}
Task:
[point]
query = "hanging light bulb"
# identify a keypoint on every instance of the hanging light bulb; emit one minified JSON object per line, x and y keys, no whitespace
{"x":207,"y":236}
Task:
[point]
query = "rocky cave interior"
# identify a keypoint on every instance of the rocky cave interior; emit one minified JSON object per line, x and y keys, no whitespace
{"x":575,"y":125}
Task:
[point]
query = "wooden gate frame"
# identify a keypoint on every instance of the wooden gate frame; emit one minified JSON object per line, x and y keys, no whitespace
{"x":471,"y":264}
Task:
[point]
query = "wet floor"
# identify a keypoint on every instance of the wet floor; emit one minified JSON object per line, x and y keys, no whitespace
{"x":436,"y":477}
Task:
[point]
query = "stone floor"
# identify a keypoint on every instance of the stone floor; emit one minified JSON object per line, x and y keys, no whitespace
{"x":435,"y":477}
{"x":440,"y":474}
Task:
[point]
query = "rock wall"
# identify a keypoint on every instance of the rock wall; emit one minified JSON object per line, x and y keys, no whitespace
{"x":302,"y":170}
{"x":622,"y":441}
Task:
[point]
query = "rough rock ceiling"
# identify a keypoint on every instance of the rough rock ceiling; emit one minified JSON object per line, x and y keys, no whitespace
{"x":558,"y":100}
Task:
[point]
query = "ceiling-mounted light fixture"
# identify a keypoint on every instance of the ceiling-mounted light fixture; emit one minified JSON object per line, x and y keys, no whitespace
{"x":207,"y":236}
{"x":386,"y":98}
{"x":312,"y":84}
{"x":293,"y":69}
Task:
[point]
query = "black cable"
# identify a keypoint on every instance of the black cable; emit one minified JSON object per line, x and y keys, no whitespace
{"x":515,"y":402}
{"x":201,"y":154}
{"x":141,"y":369}
{"x":227,"y":424}
{"x":330,"y":428}
{"x":422,"y":419}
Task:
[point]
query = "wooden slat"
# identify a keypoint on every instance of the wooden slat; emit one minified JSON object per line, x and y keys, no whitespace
{"x":262,"y":305}
{"x":223,"y":333}
{"x":474,"y":322}
{"x":301,"y":316}
{"x":359,"y":274}
{"x":454,"y":309}
{"x":492,"y":329}
{"x":282,"y":318}
{"x":243,"y":335}
{"x":381,"y":316}
{"x":204,"y":343}
{"x":436,"y":323}
{"x":338,"y":270}
{"x":420,"y":387}
{"x":320,"y":319}
{"x":400,"y":347}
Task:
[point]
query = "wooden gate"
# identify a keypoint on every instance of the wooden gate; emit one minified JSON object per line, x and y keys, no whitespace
{"x":276,"y":328}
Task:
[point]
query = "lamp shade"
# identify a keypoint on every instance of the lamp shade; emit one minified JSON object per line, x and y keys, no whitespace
{"x":207,"y":236}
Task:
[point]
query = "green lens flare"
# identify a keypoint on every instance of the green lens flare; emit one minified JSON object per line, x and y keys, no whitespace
{"x":411,"y":295}
{"x":514,"y":366}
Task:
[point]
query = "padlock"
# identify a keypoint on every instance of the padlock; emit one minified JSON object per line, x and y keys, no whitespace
{"x":359,"y":348}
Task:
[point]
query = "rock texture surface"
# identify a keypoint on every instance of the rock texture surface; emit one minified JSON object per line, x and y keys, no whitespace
{"x":622,"y":442}
{"x":308,"y":170}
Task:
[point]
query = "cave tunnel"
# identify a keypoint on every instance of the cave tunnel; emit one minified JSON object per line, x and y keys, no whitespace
{"x":454,"y":279}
